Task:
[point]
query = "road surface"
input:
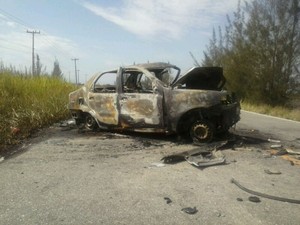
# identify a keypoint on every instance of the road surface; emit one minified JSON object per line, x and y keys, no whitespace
{"x":62,"y":176}
{"x":273,"y":126}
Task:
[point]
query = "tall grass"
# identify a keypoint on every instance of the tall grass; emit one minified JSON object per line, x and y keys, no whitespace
{"x":278,"y":111}
{"x":28,"y":103}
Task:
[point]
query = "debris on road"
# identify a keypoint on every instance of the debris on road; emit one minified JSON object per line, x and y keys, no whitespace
{"x":287,"y":154}
{"x":272,"y":172}
{"x":168,"y":200}
{"x":190,"y":210}
{"x":203,"y":160}
{"x":157,"y":164}
{"x":295,"y":201}
{"x":254,"y":199}
{"x":291,"y":152}
{"x":206,"y":155}
{"x":276,"y":146}
{"x":199,"y":158}
{"x":273,"y":140}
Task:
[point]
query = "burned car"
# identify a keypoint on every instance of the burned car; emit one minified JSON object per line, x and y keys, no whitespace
{"x":154,"y":97}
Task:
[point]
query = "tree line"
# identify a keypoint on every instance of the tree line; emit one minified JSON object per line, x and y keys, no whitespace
{"x":259,"y":49}
{"x":38,"y":70}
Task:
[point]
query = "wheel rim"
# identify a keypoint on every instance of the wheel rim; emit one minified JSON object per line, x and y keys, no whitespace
{"x":90,"y":122}
{"x":202,"y":131}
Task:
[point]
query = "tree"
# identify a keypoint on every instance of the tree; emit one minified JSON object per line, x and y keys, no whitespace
{"x":56,"y":70}
{"x":39,"y":67}
{"x":261,"y":54}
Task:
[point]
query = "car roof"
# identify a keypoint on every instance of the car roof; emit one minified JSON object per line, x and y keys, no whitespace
{"x":156,"y":65}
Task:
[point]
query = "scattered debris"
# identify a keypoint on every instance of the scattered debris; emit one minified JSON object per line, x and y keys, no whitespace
{"x":239,"y":199}
{"x":273,"y":140}
{"x":157,"y":164}
{"x":281,"y":152}
{"x":291,"y":152}
{"x":210,"y":159}
{"x":295,"y":201}
{"x":276,"y":146}
{"x":168,"y":200}
{"x":207,"y":155}
{"x":172,"y":159}
{"x":288,"y":155}
{"x":190,"y":210}
{"x":254,"y":199}
{"x":272,"y":172}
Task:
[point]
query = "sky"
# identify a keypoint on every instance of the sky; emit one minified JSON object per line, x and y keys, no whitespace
{"x":106,"y":34}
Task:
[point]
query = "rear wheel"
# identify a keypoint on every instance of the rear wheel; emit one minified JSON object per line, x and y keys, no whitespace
{"x":90,"y":122}
{"x":202,"y":131}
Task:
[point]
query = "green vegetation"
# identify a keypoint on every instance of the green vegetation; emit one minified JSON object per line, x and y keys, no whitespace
{"x":260,"y":51}
{"x":28,"y":103}
{"x":278,"y":111}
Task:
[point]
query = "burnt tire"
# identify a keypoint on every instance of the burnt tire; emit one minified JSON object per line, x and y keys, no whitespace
{"x":202,"y":131}
{"x":90,"y":122}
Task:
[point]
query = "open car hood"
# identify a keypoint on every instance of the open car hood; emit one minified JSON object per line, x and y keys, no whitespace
{"x":205,"y":78}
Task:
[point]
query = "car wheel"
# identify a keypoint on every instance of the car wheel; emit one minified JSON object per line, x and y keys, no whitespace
{"x":90,"y":122}
{"x":202,"y":131}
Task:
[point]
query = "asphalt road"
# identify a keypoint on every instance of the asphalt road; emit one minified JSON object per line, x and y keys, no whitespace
{"x":275,"y":127}
{"x":62,"y":176}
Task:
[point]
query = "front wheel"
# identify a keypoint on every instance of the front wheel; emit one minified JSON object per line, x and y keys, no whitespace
{"x":202,"y":131}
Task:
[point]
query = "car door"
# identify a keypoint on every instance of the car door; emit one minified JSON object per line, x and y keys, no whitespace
{"x":140,"y":100}
{"x":103,"y":98}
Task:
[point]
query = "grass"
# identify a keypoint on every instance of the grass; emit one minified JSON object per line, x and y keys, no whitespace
{"x":28,"y":103}
{"x":278,"y":111}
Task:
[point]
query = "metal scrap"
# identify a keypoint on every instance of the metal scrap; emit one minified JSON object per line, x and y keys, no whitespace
{"x":168,"y":200}
{"x":206,"y":155}
{"x":295,"y":201}
{"x":254,"y":199}
{"x":203,"y":160}
{"x":272,"y":172}
{"x":190,"y":210}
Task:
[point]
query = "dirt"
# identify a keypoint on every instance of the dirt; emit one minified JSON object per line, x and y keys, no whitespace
{"x":66,"y":176}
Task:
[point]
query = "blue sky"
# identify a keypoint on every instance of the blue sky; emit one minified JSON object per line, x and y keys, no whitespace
{"x":105,"y":34}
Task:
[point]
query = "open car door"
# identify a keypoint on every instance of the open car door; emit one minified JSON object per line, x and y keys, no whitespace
{"x":140,"y":101}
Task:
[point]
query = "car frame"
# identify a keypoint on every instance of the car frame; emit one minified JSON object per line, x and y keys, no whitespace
{"x":154,"y":97}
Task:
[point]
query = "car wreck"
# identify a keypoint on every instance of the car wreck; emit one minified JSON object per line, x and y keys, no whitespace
{"x":155,"y":97}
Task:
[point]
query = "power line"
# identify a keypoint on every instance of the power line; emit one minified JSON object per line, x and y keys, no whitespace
{"x":33,"y":33}
{"x":7,"y":16}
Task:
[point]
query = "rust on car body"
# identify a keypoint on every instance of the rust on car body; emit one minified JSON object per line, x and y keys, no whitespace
{"x":154,"y":97}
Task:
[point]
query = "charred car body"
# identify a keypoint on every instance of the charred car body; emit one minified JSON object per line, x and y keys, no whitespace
{"x":154,"y":97}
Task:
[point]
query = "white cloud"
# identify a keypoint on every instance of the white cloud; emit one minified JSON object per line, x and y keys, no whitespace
{"x":163,"y":18}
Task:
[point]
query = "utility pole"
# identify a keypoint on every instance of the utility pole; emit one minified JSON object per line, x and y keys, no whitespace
{"x":78,"y":76}
{"x":76,"y":80}
{"x":33,"y":33}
